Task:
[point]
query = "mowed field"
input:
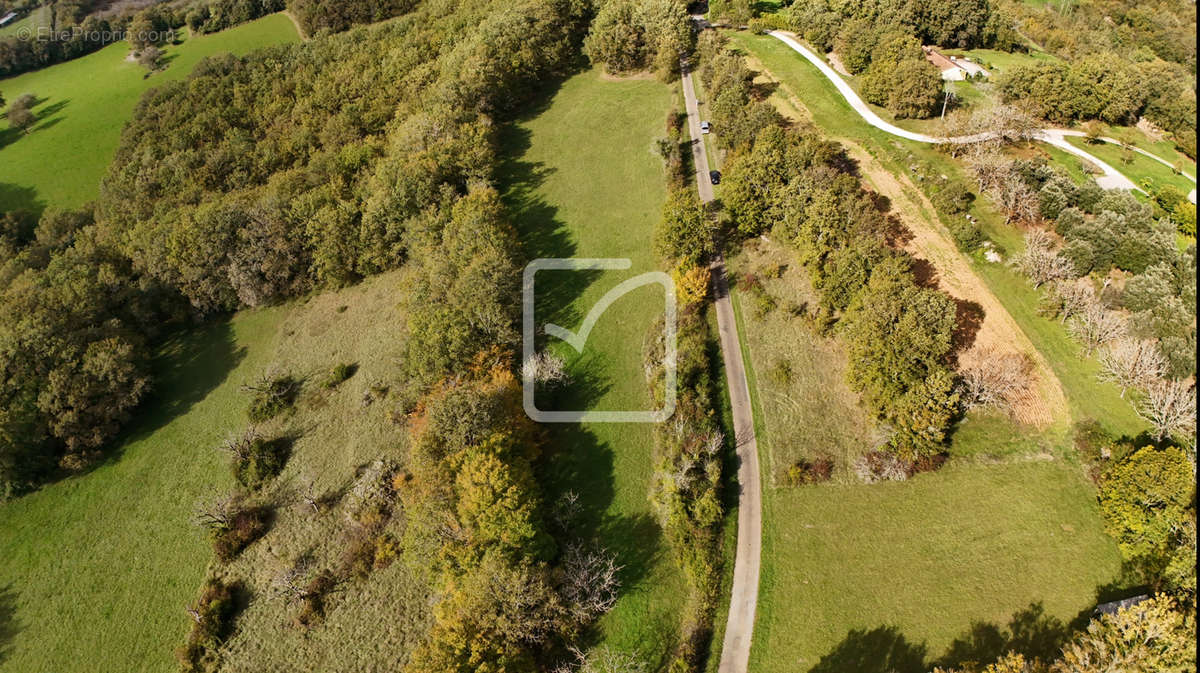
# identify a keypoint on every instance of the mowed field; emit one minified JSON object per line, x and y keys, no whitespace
{"x":83,"y":105}
{"x":1139,"y":167}
{"x":583,"y":179}
{"x":895,"y":577}
{"x":97,"y":569}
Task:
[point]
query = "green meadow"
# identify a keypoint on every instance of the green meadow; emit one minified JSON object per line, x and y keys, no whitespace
{"x":82,"y":106}
{"x":583,"y":179}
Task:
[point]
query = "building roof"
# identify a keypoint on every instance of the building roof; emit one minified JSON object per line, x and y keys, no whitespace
{"x":1111,"y":608}
{"x":940,"y":61}
{"x":8,"y":17}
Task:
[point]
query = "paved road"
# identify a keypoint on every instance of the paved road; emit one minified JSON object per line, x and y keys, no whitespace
{"x":1111,"y":178}
{"x":735,"y":652}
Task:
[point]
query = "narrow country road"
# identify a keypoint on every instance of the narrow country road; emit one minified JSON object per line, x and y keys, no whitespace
{"x":735,"y":651}
{"x":1112,"y":178}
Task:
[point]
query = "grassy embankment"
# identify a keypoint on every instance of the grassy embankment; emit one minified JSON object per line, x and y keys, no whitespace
{"x":83,"y":105}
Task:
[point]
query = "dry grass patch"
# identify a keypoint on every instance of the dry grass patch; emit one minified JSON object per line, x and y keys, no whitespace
{"x":809,"y":410}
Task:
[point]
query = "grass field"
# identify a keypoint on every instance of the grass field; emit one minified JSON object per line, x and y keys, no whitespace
{"x":892,"y":578}
{"x":1140,"y":168}
{"x":1087,"y":398}
{"x":84,"y":103}
{"x":101,"y":565}
{"x":584,"y":180}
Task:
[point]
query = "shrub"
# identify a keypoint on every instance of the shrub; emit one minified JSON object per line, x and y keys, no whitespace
{"x":312,"y":611}
{"x":967,"y":234}
{"x":212,"y":615}
{"x":879,"y":466}
{"x":952,"y":199}
{"x":244,"y":526}
{"x":272,"y":394}
{"x":263,"y":461}
{"x":338,"y":374}
{"x":804,"y":472}
{"x":359,"y":559}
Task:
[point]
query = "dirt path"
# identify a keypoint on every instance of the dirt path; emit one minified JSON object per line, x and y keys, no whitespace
{"x":739,"y":630}
{"x":296,"y":23}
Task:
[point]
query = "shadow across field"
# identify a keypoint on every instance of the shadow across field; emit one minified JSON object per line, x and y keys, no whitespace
{"x":885,"y":649}
{"x":188,"y":366}
{"x":14,"y":198}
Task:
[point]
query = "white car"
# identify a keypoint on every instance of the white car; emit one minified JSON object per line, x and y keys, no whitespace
{"x":704,"y":127}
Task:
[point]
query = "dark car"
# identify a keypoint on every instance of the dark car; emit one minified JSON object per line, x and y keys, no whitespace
{"x":715,"y":177}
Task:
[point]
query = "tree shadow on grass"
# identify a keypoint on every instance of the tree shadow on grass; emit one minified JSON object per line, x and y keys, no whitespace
{"x":8,"y":620}
{"x":1030,"y":632}
{"x":188,"y":366}
{"x":880,"y":650}
{"x":18,"y":197}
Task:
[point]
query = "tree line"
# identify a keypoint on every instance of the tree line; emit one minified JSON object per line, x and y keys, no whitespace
{"x":1110,"y":88}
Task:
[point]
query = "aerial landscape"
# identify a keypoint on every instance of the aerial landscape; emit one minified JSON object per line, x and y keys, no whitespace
{"x":598,"y":336}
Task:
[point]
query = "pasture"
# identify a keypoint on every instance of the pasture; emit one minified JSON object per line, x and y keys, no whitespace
{"x":582,"y":178}
{"x":83,"y":104}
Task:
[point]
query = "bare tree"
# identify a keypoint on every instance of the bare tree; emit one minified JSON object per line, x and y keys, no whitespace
{"x":309,"y":497}
{"x":1096,"y":326}
{"x":989,"y":167}
{"x":240,"y":445}
{"x":1040,"y":261}
{"x":291,"y":584}
{"x":1017,"y":199}
{"x":590,"y":582}
{"x":1131,"y":362}
{"x":1170,"y":407}
{"x":544,"y":367}
{"x":1074,"y":296}
{"x":995,"y":379}
{"x":602,"y":660}
{"x":216,"y":512}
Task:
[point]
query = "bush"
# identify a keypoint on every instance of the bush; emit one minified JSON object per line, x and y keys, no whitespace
{"x":804,"y":472}
{"x":967,"y":234}
{"x":879,"y":466}
{"x":263,"y":460}
{"x":244,"y":526}
{"x":312,"y":611}
{"x":339,"y":374}
{"x":271,"y":396}
{"x":212,"y":616}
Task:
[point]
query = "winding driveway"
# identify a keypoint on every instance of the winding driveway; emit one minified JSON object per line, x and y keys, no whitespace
{"x":1111,"y":178}
{"x":739,"y":629}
